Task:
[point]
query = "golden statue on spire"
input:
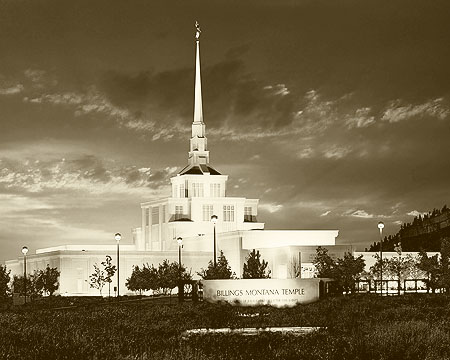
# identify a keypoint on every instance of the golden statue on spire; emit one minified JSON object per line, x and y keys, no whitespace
{"x":198,"y":32}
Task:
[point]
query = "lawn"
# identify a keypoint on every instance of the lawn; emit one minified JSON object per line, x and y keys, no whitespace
{"x":413,"y":326}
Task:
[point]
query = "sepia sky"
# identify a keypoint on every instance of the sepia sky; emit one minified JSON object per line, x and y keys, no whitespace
{"x":335,"y":114}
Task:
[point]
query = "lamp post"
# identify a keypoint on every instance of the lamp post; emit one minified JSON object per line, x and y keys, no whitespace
{"x":118,"y":237}
{"x":381,"y":227}
{"x":214,"y":221}
{"x":25,"y":252}
{"x":180,"y":245}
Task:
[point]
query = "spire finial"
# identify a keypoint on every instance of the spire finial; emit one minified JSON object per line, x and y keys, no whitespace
{"x":198,"y":31}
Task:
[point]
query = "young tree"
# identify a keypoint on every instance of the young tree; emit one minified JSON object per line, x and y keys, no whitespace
{"x":323,"y":263}
{"x":347,"y":271}
{"x":150,"y":279}
{"x":135,"y":281}
{"x":48,"y":280}
{"x":431,"y":267}
{"x":97,"y":279}
{"x":143,"y":279}
{"x":254,"y":268}
{"x":18,"y":285}
{"x":375,"y":269}
{"x":168,"y":275}
{"x":399,"y":268}
{"x":110,"y":270}
{"x":4,"y":282}
{"x":221,"y":271}
{"x":413,"y":271}
{"x":36,"y":288}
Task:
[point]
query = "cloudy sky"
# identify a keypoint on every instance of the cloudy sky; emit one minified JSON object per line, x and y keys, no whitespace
{"x":335,"y":114}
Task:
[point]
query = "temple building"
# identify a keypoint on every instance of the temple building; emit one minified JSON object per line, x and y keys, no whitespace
{"x":198,"y":194}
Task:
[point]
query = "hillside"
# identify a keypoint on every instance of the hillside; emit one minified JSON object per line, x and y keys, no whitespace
{"x":425,"y":232}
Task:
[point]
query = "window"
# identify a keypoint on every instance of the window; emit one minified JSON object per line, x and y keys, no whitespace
{"x":215,"y":190}
{"x":197,"y":190}
{"x":178,"y":212}
{"x":182,"y":191}
{"x":207,"y":212}
{"x":247,"y":213}
{"x":228,"y":213}
{"x":147,"y":216}
{"x":155,"y":215}
{"x":164,"y":214}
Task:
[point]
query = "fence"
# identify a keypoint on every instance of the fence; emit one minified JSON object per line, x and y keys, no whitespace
{"x":390,"y":286}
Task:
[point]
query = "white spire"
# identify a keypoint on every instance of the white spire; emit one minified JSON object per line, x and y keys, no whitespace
{"x":198,"y":153}
{"x":198,"y":108}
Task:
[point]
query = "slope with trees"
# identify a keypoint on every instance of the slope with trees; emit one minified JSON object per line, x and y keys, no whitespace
{"x":424,"y":232}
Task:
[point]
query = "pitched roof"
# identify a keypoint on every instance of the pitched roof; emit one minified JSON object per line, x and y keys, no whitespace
{"x":200,"y":169}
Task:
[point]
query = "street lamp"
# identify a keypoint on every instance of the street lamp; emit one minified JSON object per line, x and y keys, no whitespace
{"x":118,"y":237}
{"x":381,"y":227}
{"x":25,"y":252}
{"x":180,"y":245}
{"x":214,"y":221}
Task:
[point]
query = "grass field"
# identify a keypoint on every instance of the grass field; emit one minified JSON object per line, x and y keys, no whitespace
{"x":357,"y":327}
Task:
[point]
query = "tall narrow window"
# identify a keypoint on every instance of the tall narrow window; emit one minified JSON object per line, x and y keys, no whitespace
{"x":147,"y":216}
{"x":164,"y":214}
{"x":178,"y":212}
{"x":228,"y":213}
{"x":197,"y":190}
{"x":182,"y":194}
{"x":215,"y":190}
{"x":155,"y":215}
{"x":207,"y":212}
{"x":247,"y":213}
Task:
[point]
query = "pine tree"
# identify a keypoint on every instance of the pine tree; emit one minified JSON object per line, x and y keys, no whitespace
{"x":221,"y":271}
{"x":254,"y":268}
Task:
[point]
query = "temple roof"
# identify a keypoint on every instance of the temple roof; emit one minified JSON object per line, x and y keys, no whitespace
{"x":199,"y":169}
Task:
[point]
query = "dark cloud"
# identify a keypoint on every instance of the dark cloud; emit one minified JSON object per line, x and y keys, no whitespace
{"x":89,"y":167}
{"x":151,"y":94}
{"x":232,"y":96}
